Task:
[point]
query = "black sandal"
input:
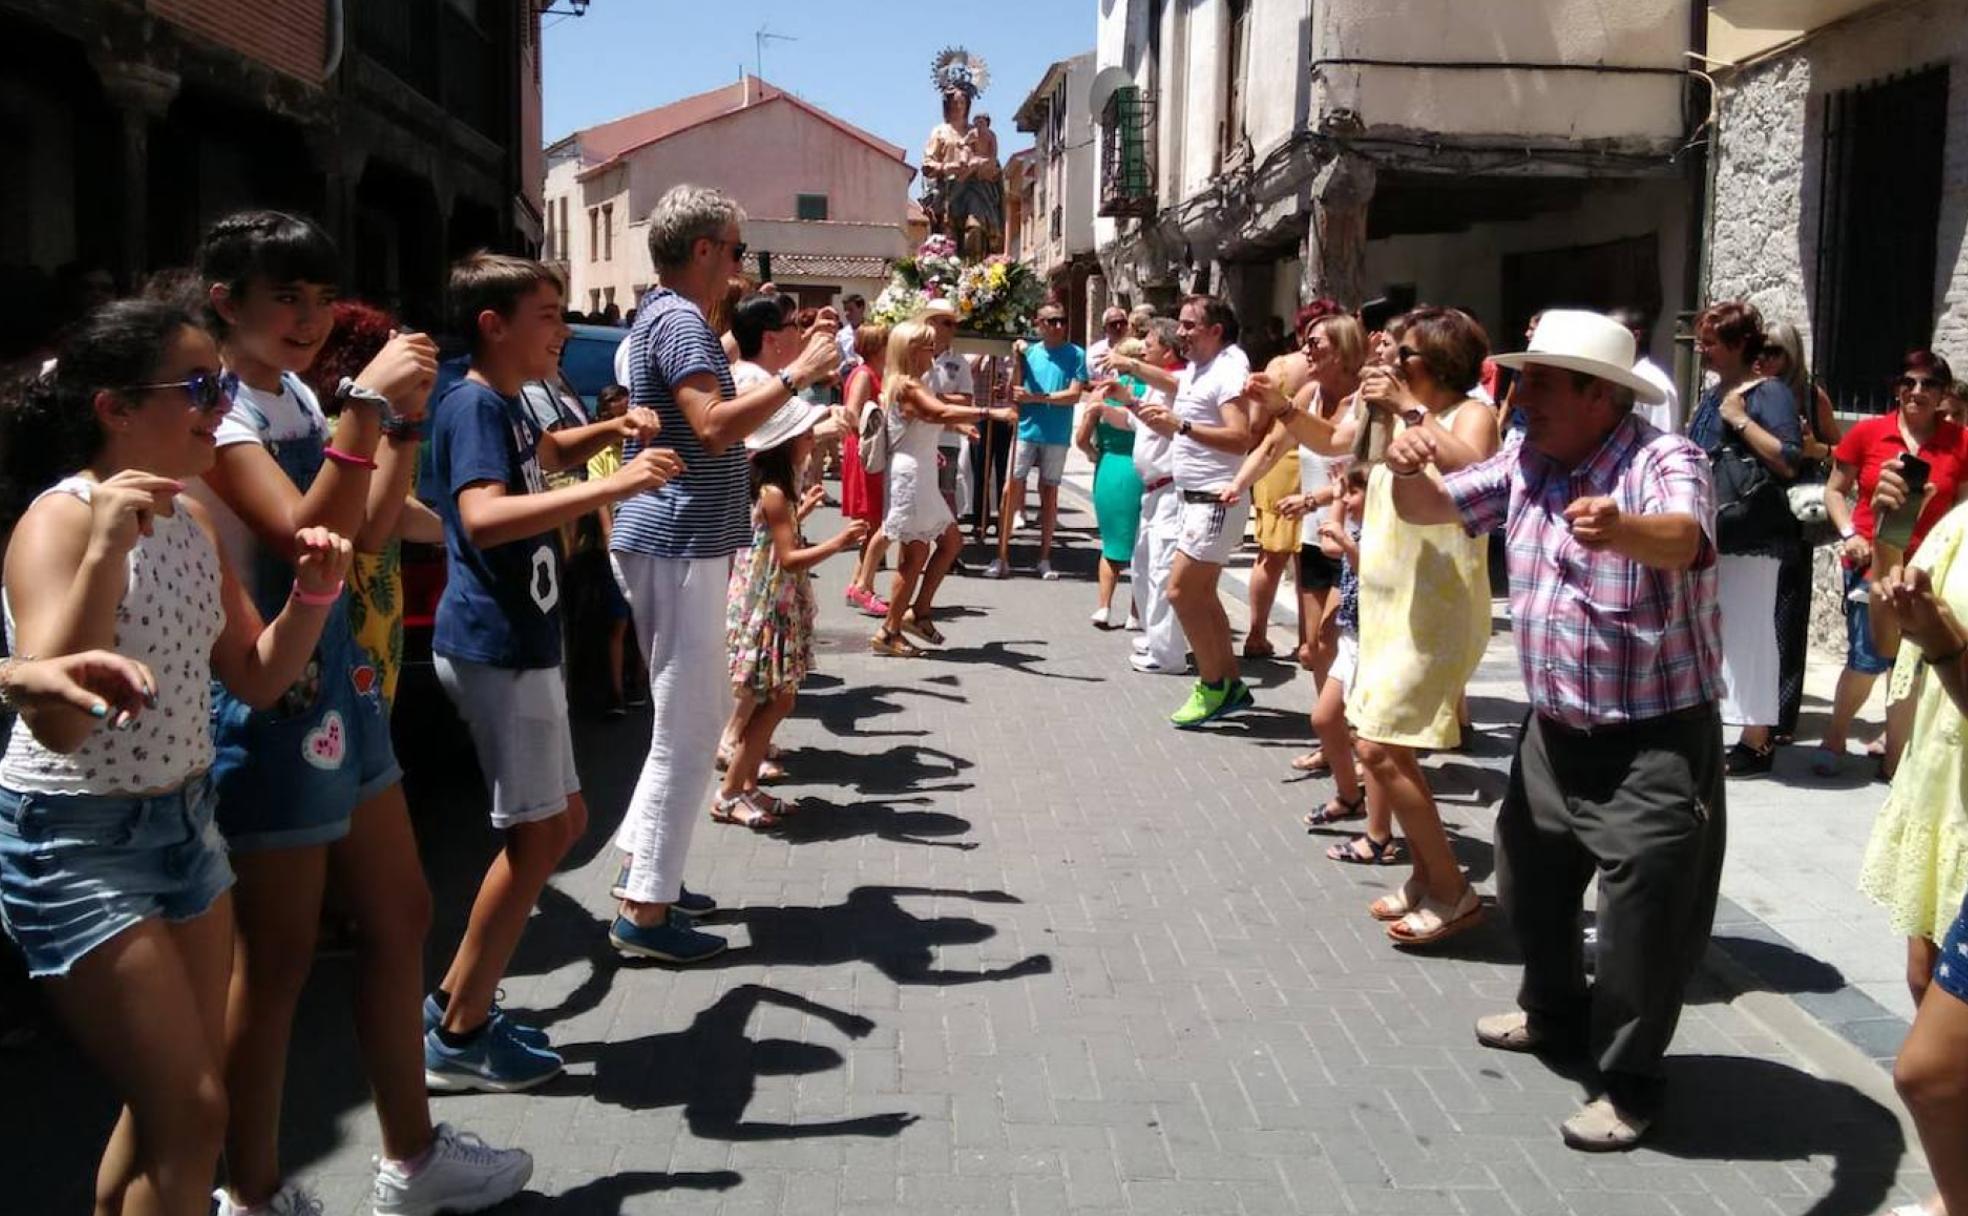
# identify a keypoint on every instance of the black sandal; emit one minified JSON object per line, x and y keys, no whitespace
{"x":1386,"y":852}
{"x":1339,"y":810}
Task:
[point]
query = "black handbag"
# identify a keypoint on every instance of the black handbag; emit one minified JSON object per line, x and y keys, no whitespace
{"x":1752,"y":507}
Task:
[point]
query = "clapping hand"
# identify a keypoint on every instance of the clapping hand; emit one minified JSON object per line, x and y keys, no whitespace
{"x":1293,"y":506}
{"x":851,"y":536}
{"x":1412,"y":451}
{"x":102,"y":684}
{"x":322,"y":561}
{"x":652,"y":469}
{"x":640,"y":423}
{"x":1263,"y":388}
{"x":810,"y":501}
{"x":1925,"y":619}
{"x":1382,"y":389}
{"x":122,"y":507}
{"x":403,"y":371}
{"x":1158,"y":418}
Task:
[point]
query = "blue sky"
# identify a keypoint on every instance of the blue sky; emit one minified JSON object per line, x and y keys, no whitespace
{"x":863,"y":60}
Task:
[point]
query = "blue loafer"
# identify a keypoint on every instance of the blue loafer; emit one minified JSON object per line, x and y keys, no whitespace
{"x":673,"y":941}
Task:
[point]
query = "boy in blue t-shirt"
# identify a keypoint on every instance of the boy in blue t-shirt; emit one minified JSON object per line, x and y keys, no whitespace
{"x":497,"y":639}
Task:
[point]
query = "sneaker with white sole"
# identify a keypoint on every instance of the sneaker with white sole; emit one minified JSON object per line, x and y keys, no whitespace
{"x":494,"y":1062}
{"x":1046,"y":572}
{"x":461,"y":1173}
{"x":1133,"y":622}
{"x":292,"y":1199}
{"x":532,"y":1036}
{"x":1139,"y":645}
{"x":673,"y":941}
{"x":1101,"y":619}
{"x":688,"y":902}
{"x":1149,"y":667}
{"x":996,"y":569}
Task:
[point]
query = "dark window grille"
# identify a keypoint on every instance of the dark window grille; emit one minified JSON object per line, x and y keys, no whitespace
{"x":1058,"y":222}
{"x":1879,"y":213}
{"x":810,"y":206}
{"x":1127,"y":181}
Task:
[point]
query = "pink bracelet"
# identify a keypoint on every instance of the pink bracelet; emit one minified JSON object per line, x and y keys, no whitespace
{"x":348,"y":458}
{"x":321,"y":599}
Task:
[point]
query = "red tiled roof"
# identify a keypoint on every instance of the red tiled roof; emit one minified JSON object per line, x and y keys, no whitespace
{"x":610,"y":141}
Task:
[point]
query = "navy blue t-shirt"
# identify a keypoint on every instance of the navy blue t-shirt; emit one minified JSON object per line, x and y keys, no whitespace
{"x":501,"y":606}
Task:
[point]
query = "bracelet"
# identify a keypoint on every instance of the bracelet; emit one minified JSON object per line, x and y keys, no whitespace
{"x":319,"y":599}
{"x":7,"y":666}
{"x":349,"y":459}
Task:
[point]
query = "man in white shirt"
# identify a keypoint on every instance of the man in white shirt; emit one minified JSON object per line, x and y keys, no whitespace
{"x":1667,"y":415}
{"x":1113,"y":328}
{"x":854,"y":311}
{"x":1211,"y":429}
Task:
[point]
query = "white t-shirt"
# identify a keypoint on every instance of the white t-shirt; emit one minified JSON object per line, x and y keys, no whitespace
{"x":1200,"y":393}
{"x":257,"y":417}
{"x":1153,"y":458}
{"x":622,"y":362}
{"x":950,"y":375}
{"x":745,"y":374}
{"x":1665,"y":416}
{"x":1097,"y":356}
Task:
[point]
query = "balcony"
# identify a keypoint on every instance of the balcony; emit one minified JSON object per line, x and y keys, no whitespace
{"x":441,"y":54}
{"x":1127,"y":179}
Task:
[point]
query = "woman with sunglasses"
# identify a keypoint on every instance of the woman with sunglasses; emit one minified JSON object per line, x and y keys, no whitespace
{"x":113,"y":878}
{"x":1916,"y":428}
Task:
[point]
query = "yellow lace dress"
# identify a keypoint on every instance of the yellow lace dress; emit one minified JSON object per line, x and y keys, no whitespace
{"x":1424,"y":621}
{"x":1916,"y":864}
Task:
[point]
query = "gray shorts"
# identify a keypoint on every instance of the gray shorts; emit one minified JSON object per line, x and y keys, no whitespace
{"x":1048,"y":458}
{"x":518,"y":723}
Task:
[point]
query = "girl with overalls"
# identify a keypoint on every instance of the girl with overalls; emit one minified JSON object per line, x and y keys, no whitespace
{"x":309,"y":791}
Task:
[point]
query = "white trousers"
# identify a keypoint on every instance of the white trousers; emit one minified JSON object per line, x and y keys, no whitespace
{"x":1746,"y":587}
{"x":678,"y":606}
{"x":1154,"y":557}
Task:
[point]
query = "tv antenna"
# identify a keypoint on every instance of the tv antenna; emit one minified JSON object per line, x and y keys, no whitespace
{"x":759,"y":40}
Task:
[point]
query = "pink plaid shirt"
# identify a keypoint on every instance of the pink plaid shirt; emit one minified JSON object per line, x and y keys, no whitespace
{"x":1603,"y":639}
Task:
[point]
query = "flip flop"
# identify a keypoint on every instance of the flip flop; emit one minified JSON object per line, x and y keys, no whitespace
{"x":1313,"y":761}
{"x":1429,"y":923}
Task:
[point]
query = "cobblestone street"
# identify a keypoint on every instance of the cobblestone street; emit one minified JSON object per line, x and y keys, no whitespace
{"x":1029,"y":950}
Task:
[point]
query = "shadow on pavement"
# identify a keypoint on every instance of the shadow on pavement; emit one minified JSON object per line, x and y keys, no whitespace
{"x":1779,"y":967}
{"x":1002,"y":654}
{"x":907,"y":768}
{"x":872,"y":926}
{"x":1727,"y":1108}
{"x":711,"y":1069}
{"x":605,"y":1196}
{"x":844,"y":710}
{"x":820,"y":821}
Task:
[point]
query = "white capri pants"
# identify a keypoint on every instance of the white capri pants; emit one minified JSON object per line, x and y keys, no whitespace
{"x":1746,"y":587}
{"x":678,"y":606}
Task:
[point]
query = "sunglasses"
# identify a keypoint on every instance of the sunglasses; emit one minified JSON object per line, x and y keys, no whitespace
{"x":1919,"y":382}
{"x":1404,"y":353}
{"x":1052,"y":320}
{"x":206,"y":390}
{"x":1116,"y":325}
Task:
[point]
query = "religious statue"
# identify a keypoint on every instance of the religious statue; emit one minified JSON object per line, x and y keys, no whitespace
{"x":963,"y":184}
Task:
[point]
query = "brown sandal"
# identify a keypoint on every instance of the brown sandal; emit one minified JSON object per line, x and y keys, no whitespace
{"x":1429,"y":922}
{"x":745,"y":813}
{"x":893,"y":645}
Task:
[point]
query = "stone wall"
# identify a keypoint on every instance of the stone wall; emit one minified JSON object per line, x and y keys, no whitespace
{"x":1763,"y":247}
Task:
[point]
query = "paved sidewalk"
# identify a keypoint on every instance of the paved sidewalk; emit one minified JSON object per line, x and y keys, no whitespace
{"x":1030,"y":950}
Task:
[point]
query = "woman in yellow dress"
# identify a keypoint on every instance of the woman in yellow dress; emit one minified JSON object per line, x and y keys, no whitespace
{"x":1916,"y":863}
{"x":1424,"y":617}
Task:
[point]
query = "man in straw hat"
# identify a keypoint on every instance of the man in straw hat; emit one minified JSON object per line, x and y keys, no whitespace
{"x":1619,"y":769}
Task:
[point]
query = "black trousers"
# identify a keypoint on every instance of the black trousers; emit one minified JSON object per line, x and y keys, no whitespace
{"x":994,"y":437}
{"x":1641,"y":808}
{"x":1793,"y":633}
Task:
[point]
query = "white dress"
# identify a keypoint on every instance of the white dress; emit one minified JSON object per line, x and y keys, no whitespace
{"x":916,"y":510}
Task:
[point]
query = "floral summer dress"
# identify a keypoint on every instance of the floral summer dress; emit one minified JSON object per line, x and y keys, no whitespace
{"x":1916,"y":863}
{"x":769,"y":617}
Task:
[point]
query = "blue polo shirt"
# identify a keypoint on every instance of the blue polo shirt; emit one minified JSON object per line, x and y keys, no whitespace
{"x":1050,"y":370}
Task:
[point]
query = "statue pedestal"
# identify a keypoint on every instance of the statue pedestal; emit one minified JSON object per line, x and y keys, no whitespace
{"x":966,"y":342}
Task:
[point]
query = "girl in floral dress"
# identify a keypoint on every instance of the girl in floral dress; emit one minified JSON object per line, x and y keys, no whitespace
{"x":770,"y":613}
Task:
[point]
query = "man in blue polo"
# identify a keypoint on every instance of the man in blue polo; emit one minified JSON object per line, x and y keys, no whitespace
{"x":1053,"y":375}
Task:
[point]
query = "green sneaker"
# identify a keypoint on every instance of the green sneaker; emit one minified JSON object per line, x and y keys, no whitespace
{"x":1203,"y":704}
{"x":1237,"y":700}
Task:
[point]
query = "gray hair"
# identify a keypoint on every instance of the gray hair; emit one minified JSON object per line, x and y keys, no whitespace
{"x":1163,"y":330}
{"x":685,"y":215}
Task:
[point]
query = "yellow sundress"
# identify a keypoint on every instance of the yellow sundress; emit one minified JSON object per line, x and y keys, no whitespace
{"x":1275,"y":533}
{"x":1424,"y":621}
{"x":1916,"y":863}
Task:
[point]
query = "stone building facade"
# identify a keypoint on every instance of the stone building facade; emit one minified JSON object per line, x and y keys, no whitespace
{"x":1840,"y":201}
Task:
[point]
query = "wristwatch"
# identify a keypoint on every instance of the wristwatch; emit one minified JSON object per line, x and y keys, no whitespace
{"x":792,"y":389}
{"x":1183,"y":427}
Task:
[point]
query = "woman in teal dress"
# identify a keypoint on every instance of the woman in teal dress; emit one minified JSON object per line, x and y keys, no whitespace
{"x":1106,"y":435}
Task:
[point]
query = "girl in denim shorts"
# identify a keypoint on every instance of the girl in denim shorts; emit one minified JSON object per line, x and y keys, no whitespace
{"x":113,"y":877}
{"x":309,"y":790}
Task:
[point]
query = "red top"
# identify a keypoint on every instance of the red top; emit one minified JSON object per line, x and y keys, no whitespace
{"x":1870,"y":444}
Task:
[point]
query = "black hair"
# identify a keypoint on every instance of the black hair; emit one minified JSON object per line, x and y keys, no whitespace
{"x":273,"y":245}
{"x":611,"y":392}
{"x":774,"y":467}
{"x":48,"y":423}
{"x":1217,"y":311}
{"x":756,"y":315}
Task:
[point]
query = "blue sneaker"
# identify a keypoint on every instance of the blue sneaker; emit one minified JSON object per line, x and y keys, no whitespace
{"x":673,"y":941}
{"x":495,"y":1062}
{"x":532,"y":1036}
{"x":688,"y":902}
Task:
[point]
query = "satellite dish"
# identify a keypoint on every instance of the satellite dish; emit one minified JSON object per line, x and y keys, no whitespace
{"x":1110,"y":81}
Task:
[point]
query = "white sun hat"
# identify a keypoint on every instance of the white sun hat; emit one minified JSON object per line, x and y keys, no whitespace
{"x":936,"y":308}
{"x":789,"y":421}
{"x":1586,"y":342}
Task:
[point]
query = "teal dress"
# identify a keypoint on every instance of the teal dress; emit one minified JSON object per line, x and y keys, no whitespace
{"x":1117,"y":487}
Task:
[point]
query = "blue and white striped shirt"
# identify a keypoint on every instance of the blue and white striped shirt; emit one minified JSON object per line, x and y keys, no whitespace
{"x":707,"y":512}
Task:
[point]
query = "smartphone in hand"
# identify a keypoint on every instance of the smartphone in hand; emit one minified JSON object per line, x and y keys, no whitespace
{"x":1895,"y":528}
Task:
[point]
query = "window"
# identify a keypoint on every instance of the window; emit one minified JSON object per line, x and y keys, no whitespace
{"x":594,"y":299}
{"x":608,"y":296}
{"x":608,"y":232}
{"x":550,"y":231}
{"x":1879,"y":214}
{"x":1126,"y":180}
{"x":566,"y":239}
{"x":810,"y":206}
{"x":1237,"y":47}
{"x":594,"y":234}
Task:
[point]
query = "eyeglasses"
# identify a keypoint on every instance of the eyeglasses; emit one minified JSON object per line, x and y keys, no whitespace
{"x":206,"y":390}
{"x":1122,"y":324}
{"x":1916,"y":383}
{"x":1052,"y":320}
{"x":737,"y":248}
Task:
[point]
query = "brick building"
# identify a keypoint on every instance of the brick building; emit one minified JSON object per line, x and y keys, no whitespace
{"x":410,"y":128}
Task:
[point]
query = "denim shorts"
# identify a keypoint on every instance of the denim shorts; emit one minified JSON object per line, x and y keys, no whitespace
{"x":1859,"y":654}
{"x":1951,"y":968}
{"x":78,"y":869}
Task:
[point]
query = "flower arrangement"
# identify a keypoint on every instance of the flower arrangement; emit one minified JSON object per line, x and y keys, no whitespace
{"x":995,"y":298}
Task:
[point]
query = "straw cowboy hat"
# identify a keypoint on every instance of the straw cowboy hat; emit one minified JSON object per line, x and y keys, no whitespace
{"x":1590,"y":343}
{"x":936,"y":308}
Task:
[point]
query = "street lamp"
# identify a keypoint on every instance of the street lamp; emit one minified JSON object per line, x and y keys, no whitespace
{"x":575,"y":8}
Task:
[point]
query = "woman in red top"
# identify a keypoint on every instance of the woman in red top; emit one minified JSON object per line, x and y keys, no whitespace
{"x":862,"y":492}
{"x":1915,"y":427}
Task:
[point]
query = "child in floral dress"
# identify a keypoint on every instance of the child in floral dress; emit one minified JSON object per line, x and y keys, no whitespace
{"x":771,"y":609}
